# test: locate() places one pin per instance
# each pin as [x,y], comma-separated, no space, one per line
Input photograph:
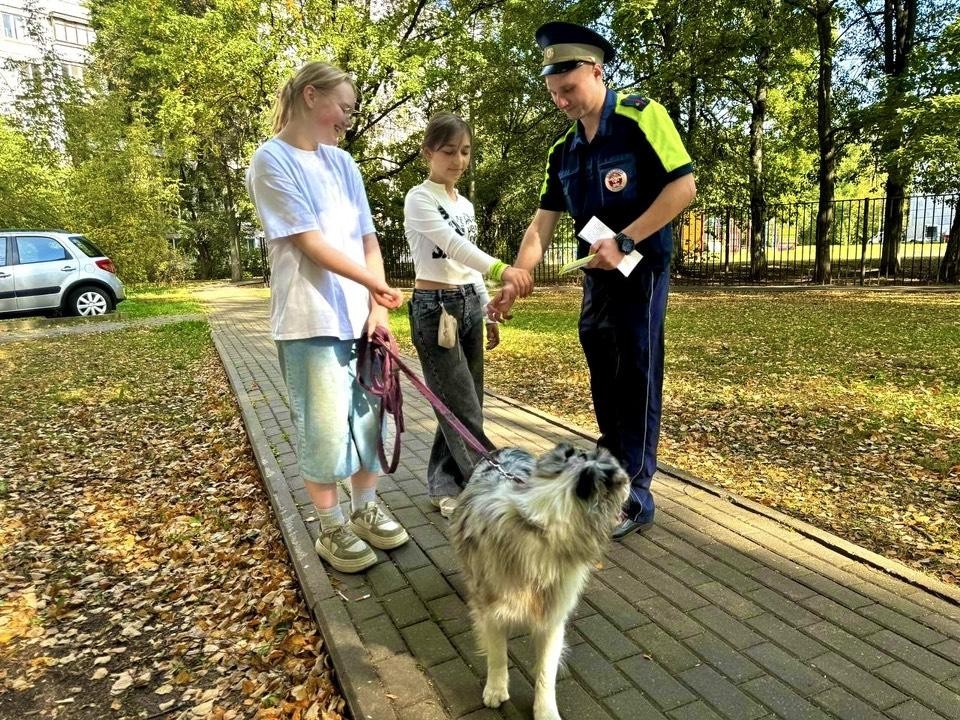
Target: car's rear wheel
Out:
[89,300]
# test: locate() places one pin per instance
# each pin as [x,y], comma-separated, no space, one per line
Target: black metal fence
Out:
[713,245]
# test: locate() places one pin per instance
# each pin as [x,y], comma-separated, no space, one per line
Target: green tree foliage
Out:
[932,147]
[201,75]
[31,193]
[772,109]
[907,62]
[118,192]
[79,160]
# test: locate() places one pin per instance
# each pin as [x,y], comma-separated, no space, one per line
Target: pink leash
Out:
[378,369]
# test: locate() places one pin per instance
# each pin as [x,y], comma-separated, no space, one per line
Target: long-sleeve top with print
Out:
[442,235]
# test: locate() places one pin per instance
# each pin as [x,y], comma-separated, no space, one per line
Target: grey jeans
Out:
[455,375]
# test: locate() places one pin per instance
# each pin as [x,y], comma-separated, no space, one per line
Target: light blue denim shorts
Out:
[336,420]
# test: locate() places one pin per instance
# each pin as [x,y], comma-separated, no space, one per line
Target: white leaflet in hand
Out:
[595,230]
[629,262]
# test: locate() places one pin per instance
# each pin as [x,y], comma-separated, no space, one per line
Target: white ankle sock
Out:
[330,517]
[360,498]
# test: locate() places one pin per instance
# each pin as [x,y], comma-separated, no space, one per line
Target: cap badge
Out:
[549,53]
[615,180]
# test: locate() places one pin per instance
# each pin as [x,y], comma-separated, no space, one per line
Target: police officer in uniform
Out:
[621,161]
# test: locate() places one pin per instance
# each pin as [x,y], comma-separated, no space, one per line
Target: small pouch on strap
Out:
[447,330]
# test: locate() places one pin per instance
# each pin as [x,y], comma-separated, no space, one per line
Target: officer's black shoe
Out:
[628,524]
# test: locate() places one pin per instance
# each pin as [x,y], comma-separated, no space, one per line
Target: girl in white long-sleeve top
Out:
[442,233]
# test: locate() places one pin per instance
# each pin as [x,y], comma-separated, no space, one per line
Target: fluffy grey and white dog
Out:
[527,549]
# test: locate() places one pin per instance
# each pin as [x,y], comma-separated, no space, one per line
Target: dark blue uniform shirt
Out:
[636,152]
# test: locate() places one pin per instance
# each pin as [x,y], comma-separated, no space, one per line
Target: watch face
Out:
[625,244]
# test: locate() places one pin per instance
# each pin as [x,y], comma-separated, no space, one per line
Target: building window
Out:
[72,32]
[72,71]
[14,27]
[31,72]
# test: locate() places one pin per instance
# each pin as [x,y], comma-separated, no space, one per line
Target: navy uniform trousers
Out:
[621,331]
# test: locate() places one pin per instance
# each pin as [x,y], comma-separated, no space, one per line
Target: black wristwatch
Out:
[625,243]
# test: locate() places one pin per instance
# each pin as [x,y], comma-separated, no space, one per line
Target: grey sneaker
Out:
[347,553]
[446,504]
[373,525]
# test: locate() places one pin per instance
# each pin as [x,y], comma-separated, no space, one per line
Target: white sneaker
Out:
[377,528]
[347,553]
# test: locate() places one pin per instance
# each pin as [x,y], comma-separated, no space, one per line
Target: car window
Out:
[3,251]
[85,246]
[40,249]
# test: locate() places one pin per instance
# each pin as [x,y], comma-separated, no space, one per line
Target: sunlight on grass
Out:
[152,300]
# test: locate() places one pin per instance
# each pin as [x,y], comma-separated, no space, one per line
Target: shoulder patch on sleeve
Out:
[635,101]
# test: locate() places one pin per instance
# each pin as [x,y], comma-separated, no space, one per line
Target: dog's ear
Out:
[590,475]
[553,462]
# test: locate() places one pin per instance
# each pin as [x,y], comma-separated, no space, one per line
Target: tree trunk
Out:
[692,112]
[205,261]
[190,192]
[236,271]
[949,271]
[892,225]
[758,200]
[671,99]
[899,23]
[826,175]
[233,225]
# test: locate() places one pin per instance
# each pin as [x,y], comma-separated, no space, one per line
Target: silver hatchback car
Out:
[46,271]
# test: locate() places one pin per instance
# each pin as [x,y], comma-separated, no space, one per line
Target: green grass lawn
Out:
[841,408]
[151,300]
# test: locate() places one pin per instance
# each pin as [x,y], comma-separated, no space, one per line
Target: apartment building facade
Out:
[66,26]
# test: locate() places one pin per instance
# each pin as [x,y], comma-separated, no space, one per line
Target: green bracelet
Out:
[496,270]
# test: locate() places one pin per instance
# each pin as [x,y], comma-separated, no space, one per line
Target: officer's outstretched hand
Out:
[520,279]
[606,255]
[498,309]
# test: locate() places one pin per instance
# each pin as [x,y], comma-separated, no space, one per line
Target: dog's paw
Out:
[545,711]
[495,693]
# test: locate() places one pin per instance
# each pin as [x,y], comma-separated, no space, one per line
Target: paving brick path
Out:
[718,612]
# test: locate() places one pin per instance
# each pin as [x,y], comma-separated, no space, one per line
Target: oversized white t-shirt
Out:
[442,234]
[295,191]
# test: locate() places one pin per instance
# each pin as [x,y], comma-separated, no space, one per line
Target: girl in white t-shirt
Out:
[441,230]
[327,287]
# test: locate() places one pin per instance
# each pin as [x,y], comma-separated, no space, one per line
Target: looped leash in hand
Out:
[378,370]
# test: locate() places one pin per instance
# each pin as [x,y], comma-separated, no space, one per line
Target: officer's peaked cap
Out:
[566,45]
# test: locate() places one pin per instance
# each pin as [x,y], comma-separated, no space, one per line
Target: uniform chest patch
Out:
[615,180]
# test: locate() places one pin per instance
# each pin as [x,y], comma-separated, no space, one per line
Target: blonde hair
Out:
[323,76]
